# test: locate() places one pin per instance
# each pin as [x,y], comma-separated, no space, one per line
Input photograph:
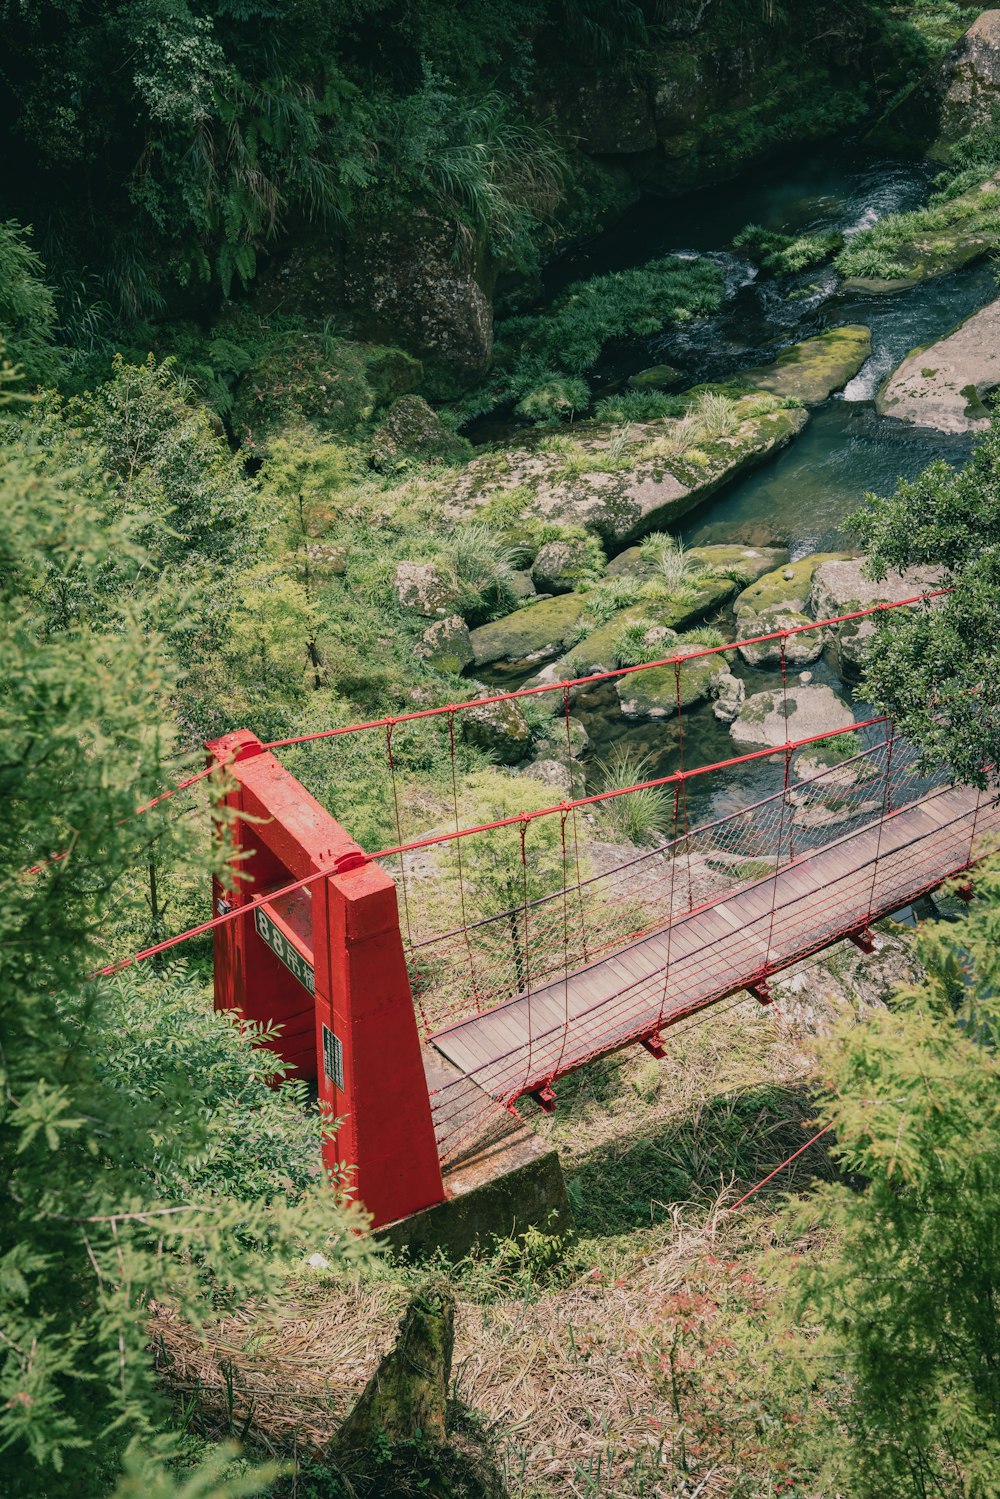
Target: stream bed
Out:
[800,498]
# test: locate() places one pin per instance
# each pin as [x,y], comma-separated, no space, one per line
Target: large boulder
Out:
[405,284]
[943,384]
[750,561]
[810,710]
[797,650]
[446,645]
[426,588]
[619,492]
[654,693]
[842,587]
[499,728]
[786,587]
[533,633]
[812,370]
[968,84]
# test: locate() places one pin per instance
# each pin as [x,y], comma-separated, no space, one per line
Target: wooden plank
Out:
[822,891]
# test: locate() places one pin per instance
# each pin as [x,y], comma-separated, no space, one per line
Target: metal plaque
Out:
[283,949]
[333,1058]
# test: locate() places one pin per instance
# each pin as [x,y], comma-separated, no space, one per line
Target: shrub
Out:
[27,307]
[639,816]
[560,395]
[305,377]
[639,406]
[785,254]
[621,304]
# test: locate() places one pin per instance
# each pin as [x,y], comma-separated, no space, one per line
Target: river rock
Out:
[533,633]
[499,728]
[653,693]
[597,651]
[810,710]
[785,587]
[562,564]
[942,385]
[812,370]
[619,492]
[749,560]
[409,281]
[842,587]
[522,585]
[656,377]
[446,644]
[968,83]
[799,650]
[413,429]
[426,588]
[729,692]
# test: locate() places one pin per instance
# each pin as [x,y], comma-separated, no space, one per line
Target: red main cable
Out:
[522,818]
[603,676]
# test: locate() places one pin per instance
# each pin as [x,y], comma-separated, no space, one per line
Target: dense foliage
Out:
[119,1167]
[934,669]
[904,1292]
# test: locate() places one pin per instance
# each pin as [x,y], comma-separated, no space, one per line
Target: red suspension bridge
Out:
[427,986]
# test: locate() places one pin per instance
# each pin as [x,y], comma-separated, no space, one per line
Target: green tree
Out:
[935,669]
[104,1203]
[27,307]
[902,1273]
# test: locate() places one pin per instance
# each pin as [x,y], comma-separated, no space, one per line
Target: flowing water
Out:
[800,498]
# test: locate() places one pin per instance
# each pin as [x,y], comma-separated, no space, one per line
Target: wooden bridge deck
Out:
[712,952]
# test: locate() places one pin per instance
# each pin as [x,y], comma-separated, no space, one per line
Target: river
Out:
[800,498]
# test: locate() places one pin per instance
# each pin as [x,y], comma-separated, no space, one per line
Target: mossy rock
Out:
[753,562]
[446,646]
[596,651]
[774,718]
[785,587]
[654,693]
[799,650]
[812,370]
[619,493]
[535,632]
[413,430]
[657,377]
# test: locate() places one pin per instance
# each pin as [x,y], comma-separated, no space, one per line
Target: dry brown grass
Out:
[570,1366]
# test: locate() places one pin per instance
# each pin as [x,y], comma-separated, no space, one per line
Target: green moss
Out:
[788,585]
[813,369]
[539,629]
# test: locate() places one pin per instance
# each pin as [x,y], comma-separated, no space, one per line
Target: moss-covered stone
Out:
[783,587]
[763,718]
[794,650]
[499,728]
[413,429]
[535,632]
[654,693]
[657,377]
[597,650]
[446,646]
[813,369]
[750,561]
[621,491]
